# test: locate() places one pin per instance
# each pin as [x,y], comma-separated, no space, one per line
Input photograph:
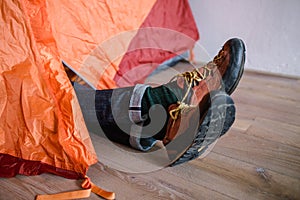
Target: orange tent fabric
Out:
[108,43]
[41,126]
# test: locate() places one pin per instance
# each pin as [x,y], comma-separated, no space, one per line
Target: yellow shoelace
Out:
[191,78]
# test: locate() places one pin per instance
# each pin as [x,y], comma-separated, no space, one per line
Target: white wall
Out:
[269,28]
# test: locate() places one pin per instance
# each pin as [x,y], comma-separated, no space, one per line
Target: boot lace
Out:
[191,78]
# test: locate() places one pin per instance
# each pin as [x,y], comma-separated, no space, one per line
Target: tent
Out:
[108,43]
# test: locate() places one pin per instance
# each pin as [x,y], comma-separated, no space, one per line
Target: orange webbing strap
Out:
[87,184]
[78,194]
[66,195]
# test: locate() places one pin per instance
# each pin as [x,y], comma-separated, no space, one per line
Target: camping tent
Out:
[108,43]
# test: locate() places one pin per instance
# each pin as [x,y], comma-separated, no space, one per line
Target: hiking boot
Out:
[194,87]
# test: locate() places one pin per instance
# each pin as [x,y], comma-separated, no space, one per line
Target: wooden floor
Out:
[259,158]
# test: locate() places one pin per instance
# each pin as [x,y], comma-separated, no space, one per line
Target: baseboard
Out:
[253,71]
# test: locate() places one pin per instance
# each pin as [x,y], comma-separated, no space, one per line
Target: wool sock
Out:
[164,95]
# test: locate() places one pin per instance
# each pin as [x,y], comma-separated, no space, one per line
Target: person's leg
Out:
[131,116]
[123,114]
[188,90]
[186,146]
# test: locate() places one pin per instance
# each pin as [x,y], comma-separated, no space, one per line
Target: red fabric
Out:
[168,30]
[10,166]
